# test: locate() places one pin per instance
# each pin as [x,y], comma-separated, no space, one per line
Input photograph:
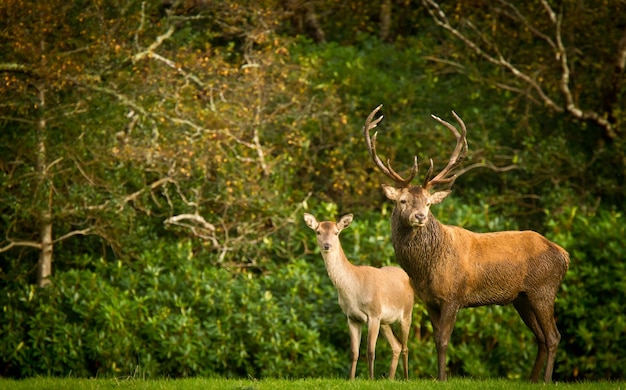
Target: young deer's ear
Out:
[438,197]
[344,221]
[310,221]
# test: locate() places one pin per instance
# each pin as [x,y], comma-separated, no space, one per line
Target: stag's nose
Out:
[326,246]
[418,219]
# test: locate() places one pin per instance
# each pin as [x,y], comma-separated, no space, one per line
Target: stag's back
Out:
[451,263]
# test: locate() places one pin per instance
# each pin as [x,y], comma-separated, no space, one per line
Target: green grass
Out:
[284,384]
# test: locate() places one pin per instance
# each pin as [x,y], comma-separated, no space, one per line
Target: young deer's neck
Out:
[340,270]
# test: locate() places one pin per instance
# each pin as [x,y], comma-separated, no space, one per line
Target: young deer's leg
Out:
[355,343]
[405,328]
[373,327]
[396,348]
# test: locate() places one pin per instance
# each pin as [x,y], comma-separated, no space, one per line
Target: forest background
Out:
[156,159]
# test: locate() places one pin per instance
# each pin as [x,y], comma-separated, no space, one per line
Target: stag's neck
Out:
[340,271]
[418,249]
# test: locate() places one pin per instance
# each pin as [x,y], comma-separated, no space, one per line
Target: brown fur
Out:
[451,268]
[377,297]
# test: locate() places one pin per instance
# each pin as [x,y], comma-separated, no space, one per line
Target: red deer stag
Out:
[377,297]
[452,268]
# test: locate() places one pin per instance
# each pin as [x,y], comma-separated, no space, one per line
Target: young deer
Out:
[377,297]
[452,268]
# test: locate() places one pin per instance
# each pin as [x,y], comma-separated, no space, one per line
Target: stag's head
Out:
[413,201]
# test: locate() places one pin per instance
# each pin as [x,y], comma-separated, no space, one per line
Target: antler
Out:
[457,157]
[371,148]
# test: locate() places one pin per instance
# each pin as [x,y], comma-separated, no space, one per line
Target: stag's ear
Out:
[344,221]
[438,197]
[390,192]
[310,221]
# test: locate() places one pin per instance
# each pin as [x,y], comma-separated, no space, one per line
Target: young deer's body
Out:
[377,297]
[452,268]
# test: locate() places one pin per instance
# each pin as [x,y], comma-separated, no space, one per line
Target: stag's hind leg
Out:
[525,311]
[538,315]
[543,308]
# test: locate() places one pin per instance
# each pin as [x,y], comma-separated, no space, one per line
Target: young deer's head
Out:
[328,231]
[413,201]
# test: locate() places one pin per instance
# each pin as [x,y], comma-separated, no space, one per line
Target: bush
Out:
[169,315]
[591,309]
[173,314]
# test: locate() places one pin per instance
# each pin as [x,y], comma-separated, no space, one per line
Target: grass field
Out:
[287,384]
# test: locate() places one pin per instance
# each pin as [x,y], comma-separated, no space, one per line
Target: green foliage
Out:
[177,318]
[591,309]
[237,118]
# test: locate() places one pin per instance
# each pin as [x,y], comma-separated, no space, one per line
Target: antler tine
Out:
[371,148]
[429,174]
[457,157]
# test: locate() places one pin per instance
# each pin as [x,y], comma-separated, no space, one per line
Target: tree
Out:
[154,117]
[548,57]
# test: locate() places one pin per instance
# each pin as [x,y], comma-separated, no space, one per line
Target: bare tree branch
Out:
[157,42]
[197,224]
[82,232]
[11,244]
[441,19]
[13,67]
[560,53]
[486,164]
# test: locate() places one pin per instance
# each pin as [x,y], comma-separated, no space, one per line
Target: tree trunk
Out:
[385,20]
[44,266]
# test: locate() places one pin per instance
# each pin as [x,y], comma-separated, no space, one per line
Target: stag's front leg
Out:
[443,319]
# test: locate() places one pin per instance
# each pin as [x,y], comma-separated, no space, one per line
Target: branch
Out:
[132,196]
[151,187]
[157,42]
[497,59]
[128,102]
[13,67]
[31,244]
[122,98]
[570,105]
[488,165]
[199,226]
[150,53]
[82,232]
[172,64]
[441,20]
